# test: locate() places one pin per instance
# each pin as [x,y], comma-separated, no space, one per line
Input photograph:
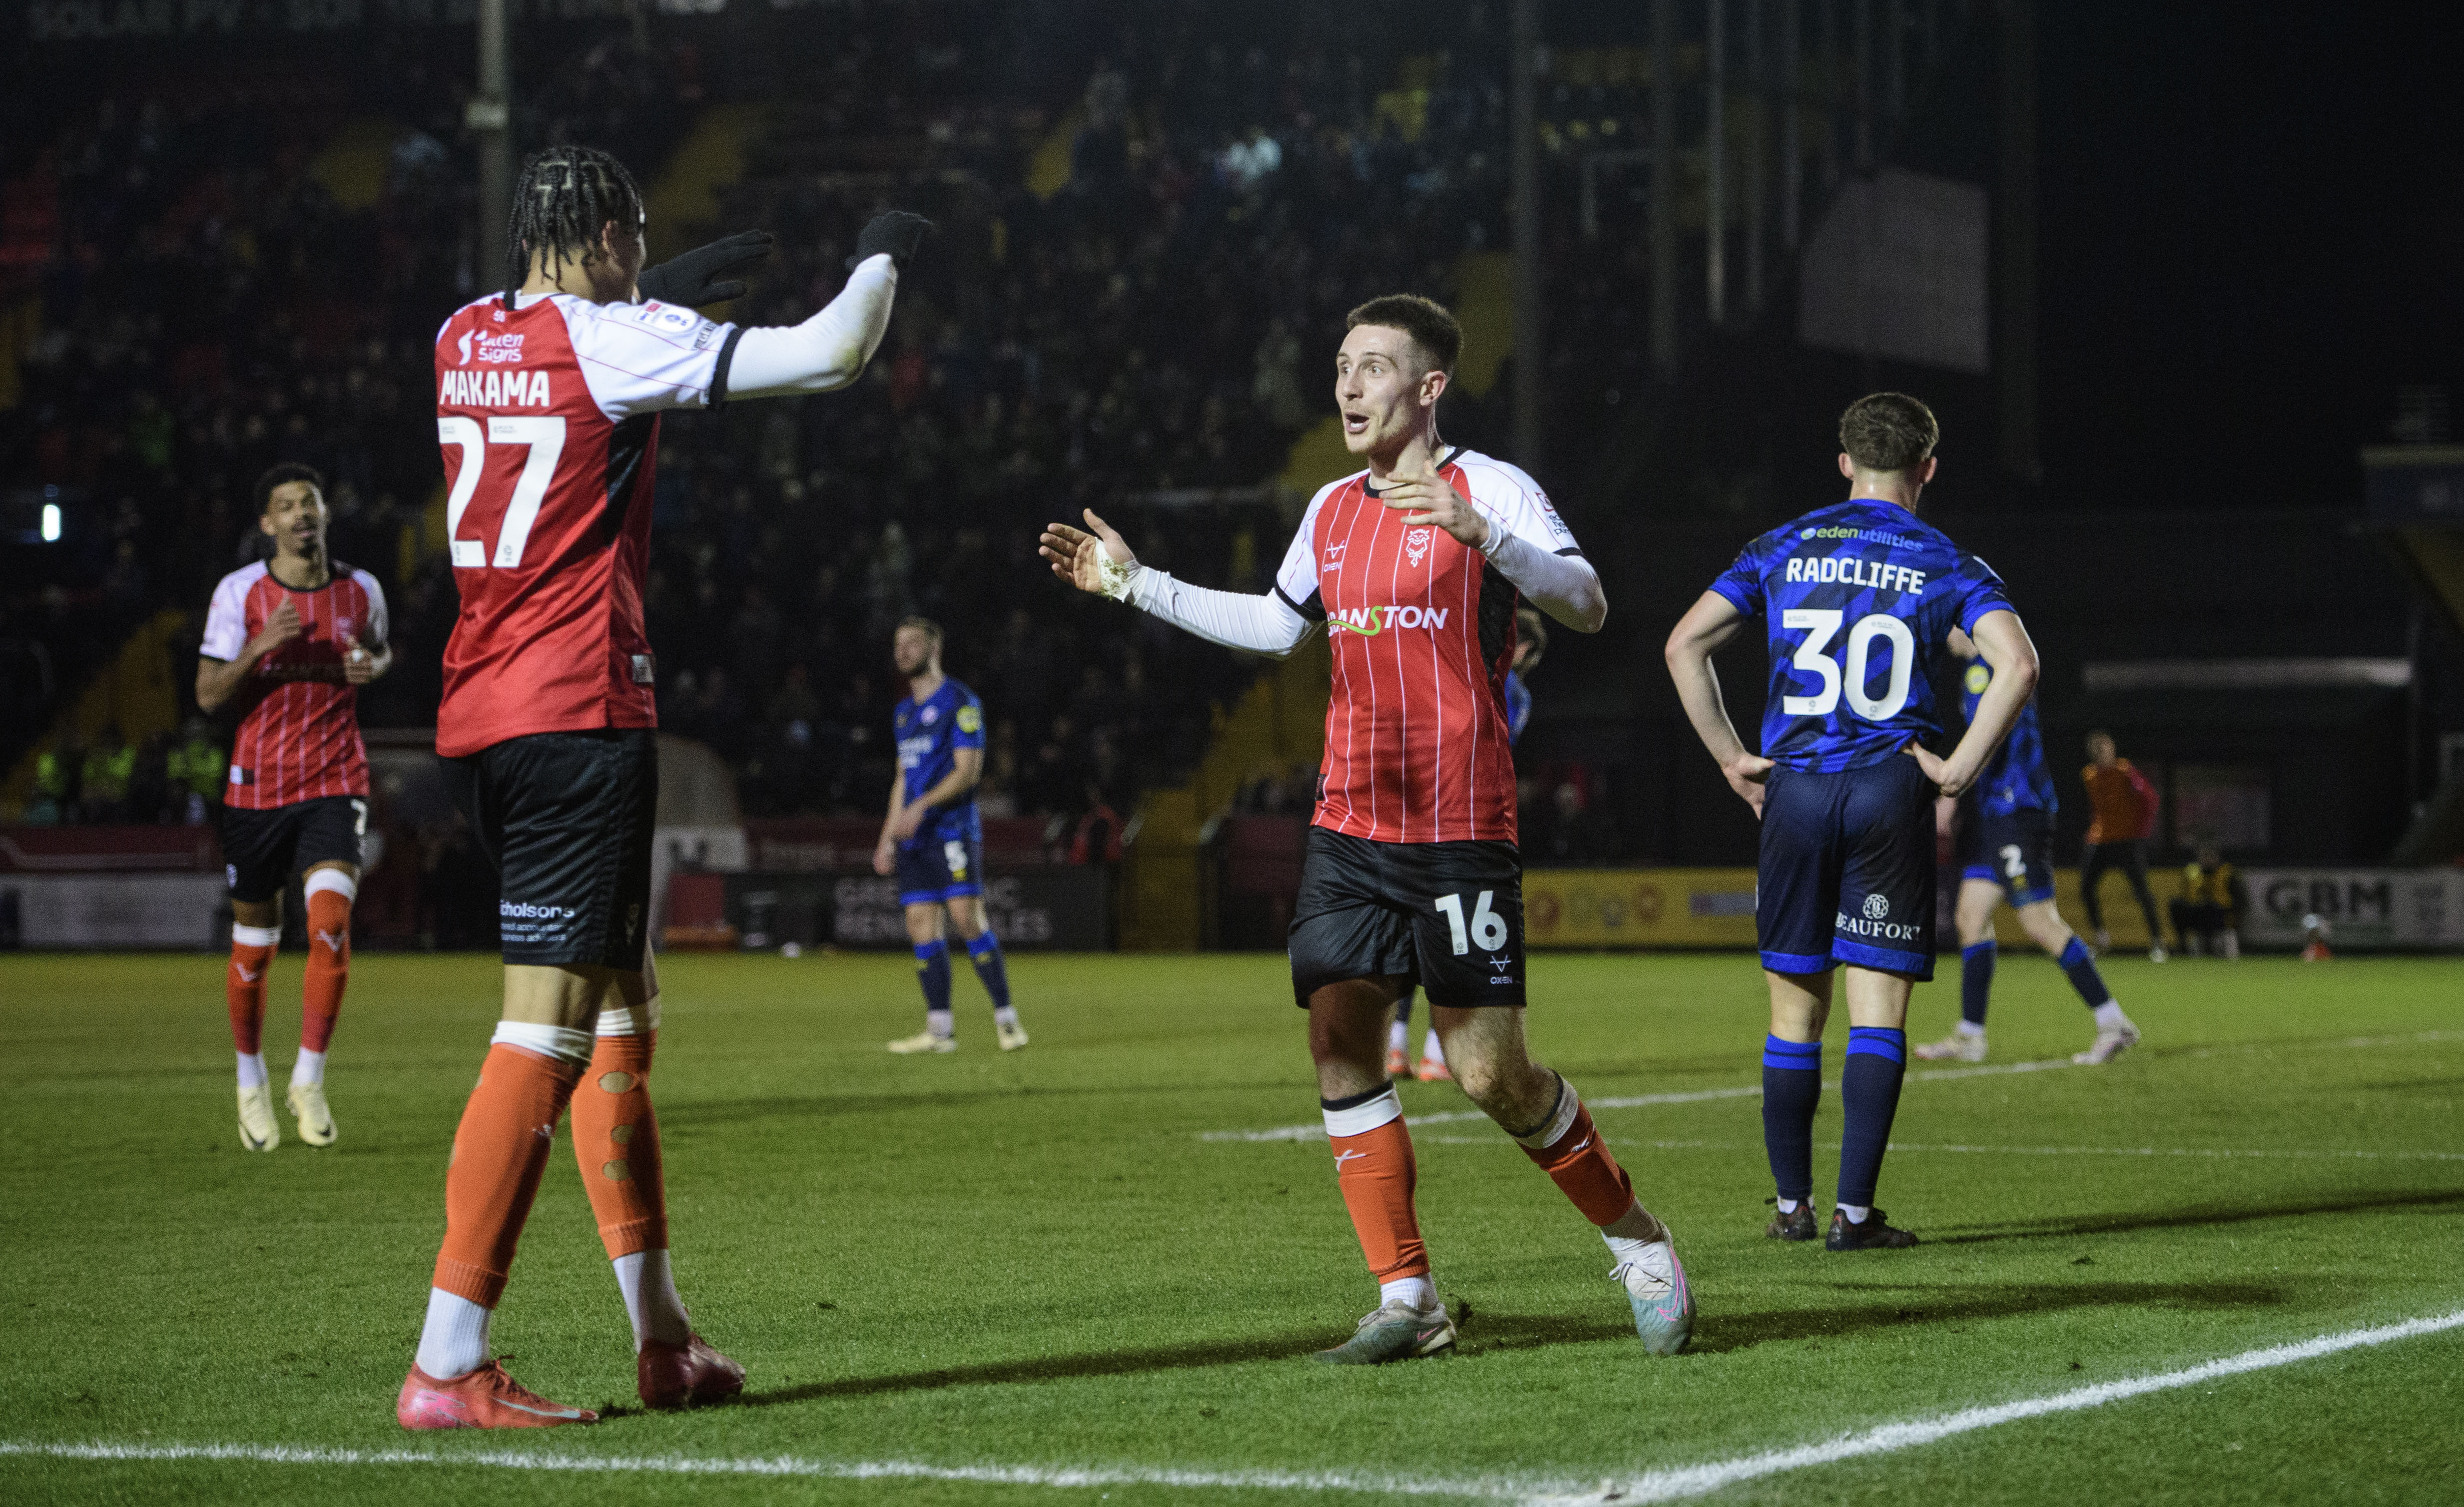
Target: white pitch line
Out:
[2227,1153]
[1671,1484]
[793,1466]
[1317,1132]
[1698,1480]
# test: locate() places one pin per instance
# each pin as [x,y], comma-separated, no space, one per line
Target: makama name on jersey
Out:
[491,389]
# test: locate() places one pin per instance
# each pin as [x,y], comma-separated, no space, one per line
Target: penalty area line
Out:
[1667,1484]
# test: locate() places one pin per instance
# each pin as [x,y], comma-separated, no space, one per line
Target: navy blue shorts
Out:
[2014,850]
[933,872]
[1847,870]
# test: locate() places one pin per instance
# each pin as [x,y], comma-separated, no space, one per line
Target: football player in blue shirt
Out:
[1860,602]
[935,841]
[1530,642]
[2005,845]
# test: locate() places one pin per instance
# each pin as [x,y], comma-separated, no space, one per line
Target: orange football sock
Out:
[1377,1173]
[616,1139]
[498,1153]
[329,967]
[1579,1161]
[251,954]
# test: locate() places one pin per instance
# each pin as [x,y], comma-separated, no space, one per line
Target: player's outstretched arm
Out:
[828,351]
[1706,628]
[2003,642]
[1097,560]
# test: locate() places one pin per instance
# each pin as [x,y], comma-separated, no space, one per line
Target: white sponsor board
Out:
[116,910]
[2363,908]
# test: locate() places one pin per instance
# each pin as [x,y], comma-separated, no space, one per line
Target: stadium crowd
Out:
[1156,318]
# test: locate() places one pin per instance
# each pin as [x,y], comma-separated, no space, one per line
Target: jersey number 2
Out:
[1822,623]
[544,437]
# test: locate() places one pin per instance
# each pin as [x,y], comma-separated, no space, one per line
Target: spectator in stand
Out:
[195,767]
[2122,812]
[102,793]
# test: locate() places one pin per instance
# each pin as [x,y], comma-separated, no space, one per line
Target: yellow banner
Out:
[1715,908]
[1639,908]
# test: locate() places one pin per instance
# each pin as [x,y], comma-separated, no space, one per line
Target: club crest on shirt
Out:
[1415,545]
[1335,557]
[931,715]
[342,629]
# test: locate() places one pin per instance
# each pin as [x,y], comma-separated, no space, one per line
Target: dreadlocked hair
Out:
[562,199]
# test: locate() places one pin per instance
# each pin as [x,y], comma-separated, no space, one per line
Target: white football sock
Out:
[2109,1016]
[1789,1205]
[1433,1050]
[309,1069]
[1418,1290]
[1969,1028]
[1857,1213]
[1399,1035]
[1636,1230]
[1005,1016]
[650,1301]
[251,1070]
[942,1022]
[454,1341]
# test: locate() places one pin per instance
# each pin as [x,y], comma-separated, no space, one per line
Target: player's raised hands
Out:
[1425,497]
[1746,775]
[708,274]
[281,626]
[1099,562]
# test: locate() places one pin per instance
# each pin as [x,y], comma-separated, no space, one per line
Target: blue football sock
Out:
[985,953]
[2080,965]
[1975,982]
[1869,1093]
[1792,1088]
[932,974]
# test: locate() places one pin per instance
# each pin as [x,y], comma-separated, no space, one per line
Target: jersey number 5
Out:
[544,437]
[1821,623]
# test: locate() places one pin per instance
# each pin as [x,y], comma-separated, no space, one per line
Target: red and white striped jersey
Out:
[548,415]
[299,728]
[1423,630]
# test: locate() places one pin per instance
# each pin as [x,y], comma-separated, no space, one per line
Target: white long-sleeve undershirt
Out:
[825,352]
[1265,625]
[1565,587]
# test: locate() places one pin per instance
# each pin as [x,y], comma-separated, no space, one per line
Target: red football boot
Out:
[686,1375]
[487,1398]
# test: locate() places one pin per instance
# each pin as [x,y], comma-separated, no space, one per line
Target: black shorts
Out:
[1447,915]
[940,869]
[1847,870]
[2014,850]
[263,849]
[566,820]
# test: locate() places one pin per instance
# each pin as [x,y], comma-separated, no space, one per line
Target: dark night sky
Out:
[2252,234]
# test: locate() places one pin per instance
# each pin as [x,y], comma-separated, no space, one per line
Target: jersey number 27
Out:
[1821,625]
[542,437]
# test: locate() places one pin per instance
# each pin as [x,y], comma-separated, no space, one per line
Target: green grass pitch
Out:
[1039,1260]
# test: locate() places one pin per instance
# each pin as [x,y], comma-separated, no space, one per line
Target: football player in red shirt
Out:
[1412,876]
[548,403]
[292,640]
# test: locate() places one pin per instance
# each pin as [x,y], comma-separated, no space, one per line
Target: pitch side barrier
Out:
[2364,909]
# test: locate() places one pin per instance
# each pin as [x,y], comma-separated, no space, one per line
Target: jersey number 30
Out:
[1821,623]
[543,437]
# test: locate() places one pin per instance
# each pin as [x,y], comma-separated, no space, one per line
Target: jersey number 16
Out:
[1821,623]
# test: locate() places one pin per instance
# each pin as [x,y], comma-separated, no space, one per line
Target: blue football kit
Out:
[1858,601]
[945,858]
[2005,835]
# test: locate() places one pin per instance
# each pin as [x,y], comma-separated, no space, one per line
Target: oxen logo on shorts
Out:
[1416,546]
[1877,908]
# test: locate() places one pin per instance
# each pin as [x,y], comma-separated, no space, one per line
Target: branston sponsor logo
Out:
[1376,620]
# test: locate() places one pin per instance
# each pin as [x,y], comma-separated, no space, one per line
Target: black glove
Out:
[892,231]
[697,276]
